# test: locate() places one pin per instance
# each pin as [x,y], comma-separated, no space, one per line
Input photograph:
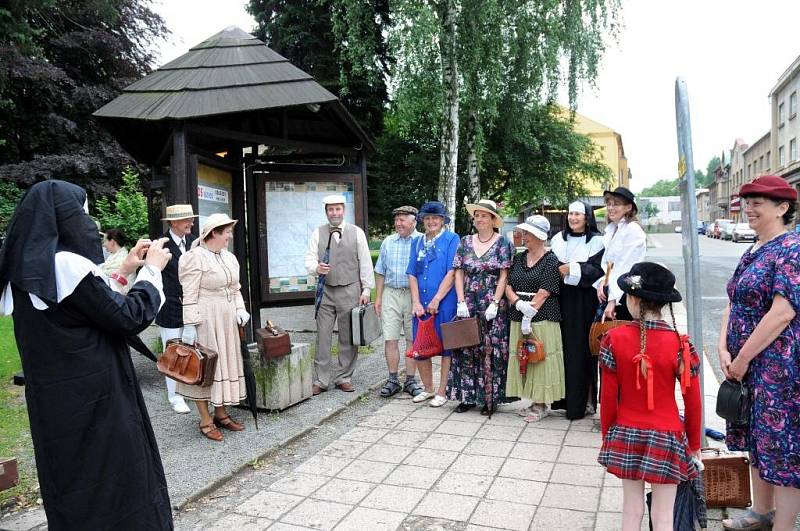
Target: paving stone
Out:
[268,504]
[454,427]
[499,433]
[413,476]
[380,421]
[589,476]
[370,471]
[397,409]
[502,514]
[324,465]
[440,441]
[363,434]
[478,464]
[562,520]
[553,422]
[613,522]
[447,506]
[393,498]
[517,490]
[526,469]
[280,526]
[345,448]
[571,497]
[489,447]
[299,484]
[465,484]
[238,522]
[415,522]
[430,458]
[541,436]
[578,455]
[386,453]
[419,424]
[536,452]
[610,480]
[24,520]
[584,425]
[363,518]
[578,438]
[611,499]
[317,514]
[404,438]
[474,416]
[506,419]
[344,491]
[427,412]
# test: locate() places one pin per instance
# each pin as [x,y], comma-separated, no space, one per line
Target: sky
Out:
[729,52]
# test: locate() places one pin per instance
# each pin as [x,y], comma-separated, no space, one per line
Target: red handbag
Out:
[427,343]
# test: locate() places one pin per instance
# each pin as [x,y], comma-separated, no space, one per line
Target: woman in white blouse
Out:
[625,244]
[117,253]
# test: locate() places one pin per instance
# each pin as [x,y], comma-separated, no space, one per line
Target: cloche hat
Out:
[215,221]
[433,208]
[537,225]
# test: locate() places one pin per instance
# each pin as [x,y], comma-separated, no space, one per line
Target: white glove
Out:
[242,316]
[491,311]
[526,325]
[462,310]
[189,334]
[526,308]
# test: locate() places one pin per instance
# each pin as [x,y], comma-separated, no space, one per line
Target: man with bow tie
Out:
[179,240]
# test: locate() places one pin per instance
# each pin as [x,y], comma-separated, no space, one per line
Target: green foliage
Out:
[650,210]
[10,195]
[128,212]
[661,188]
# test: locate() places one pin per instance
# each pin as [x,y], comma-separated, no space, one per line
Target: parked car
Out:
[743,232]
[720,225]
[678,229]
[701,227]
[726,230]
[712,226]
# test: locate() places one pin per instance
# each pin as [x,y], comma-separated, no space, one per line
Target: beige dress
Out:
[211,296]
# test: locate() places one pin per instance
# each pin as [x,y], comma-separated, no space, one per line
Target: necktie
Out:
[182,246]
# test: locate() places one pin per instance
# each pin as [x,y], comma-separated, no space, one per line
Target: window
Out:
[761,162]
[781,157]
[793,105]
[748,171]
[792,150]
[766,170]
[781,115]
[674,206]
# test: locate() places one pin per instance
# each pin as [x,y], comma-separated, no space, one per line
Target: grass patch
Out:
[15,435]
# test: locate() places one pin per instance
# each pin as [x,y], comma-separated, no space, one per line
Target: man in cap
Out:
[348,282]
[393,298]
[180,219]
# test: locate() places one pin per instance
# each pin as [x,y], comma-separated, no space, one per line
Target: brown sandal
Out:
[228,423]
[211,431]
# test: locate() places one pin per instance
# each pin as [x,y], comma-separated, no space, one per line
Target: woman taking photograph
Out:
[478,374]
[532,292]
[625,244]
[579,249]
[213,309]
[758,346]
[430,279]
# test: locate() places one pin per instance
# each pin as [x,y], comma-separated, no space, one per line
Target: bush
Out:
[128,212]
[9,198]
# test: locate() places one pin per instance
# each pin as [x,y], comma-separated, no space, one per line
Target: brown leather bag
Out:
[461,333]
[188,364]
[274,341]
[529,350]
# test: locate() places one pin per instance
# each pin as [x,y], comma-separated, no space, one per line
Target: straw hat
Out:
[178,212]
[214,221]
[335,199]
[486,205]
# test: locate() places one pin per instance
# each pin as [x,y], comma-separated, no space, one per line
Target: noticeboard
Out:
[214,193]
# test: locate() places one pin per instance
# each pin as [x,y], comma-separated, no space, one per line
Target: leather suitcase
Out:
[462,333]
[365,325]
[188,364]
[9,475]
[726,478]
[274,341]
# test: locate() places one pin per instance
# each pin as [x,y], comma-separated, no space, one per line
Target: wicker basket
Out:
[726,478]
[598,330]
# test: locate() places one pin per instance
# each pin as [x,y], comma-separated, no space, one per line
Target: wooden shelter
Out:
[231,126]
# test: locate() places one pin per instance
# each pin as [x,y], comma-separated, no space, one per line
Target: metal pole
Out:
[691,253]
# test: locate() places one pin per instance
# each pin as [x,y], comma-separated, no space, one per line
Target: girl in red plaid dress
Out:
[644,438]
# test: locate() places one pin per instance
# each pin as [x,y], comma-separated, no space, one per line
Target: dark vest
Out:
[344,256]
[171,314]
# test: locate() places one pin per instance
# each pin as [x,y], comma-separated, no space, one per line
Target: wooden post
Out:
[178,166]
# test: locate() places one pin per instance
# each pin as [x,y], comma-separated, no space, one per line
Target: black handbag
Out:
[733,402]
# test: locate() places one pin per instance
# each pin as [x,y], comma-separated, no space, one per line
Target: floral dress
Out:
[773,376]
[478,374]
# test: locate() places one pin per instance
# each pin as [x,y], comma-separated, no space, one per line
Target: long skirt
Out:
[544,381]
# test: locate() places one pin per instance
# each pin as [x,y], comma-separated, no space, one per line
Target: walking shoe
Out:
[422,397]
[438,401]
[178,404]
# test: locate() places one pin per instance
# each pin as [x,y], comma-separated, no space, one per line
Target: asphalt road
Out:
[718,260]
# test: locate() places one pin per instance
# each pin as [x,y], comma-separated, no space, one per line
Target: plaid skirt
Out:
[650,455]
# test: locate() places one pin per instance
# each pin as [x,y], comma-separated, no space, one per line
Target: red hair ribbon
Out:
[649,364]
[686,357]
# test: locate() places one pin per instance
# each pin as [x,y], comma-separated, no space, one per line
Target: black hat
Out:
[650,281]
[624,194]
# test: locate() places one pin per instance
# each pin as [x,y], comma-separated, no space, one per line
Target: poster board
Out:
[214,194]
[293,210]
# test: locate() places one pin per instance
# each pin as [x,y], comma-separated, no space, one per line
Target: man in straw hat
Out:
[348,282]
[180,219]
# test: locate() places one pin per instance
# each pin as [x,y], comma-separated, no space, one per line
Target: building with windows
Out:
[785,130]
[738,173]
[719,202]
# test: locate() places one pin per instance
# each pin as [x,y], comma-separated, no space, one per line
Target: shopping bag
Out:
[427,343]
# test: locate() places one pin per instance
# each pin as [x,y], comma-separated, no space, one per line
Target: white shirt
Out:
[626,244]
[574,251]
[178,239]
[311,259]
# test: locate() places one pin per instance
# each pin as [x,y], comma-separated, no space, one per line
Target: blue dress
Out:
[773,434]
[430,268]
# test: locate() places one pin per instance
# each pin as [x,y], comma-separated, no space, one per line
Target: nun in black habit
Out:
[96,455]
[579,249]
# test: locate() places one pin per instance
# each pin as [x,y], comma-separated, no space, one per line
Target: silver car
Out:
[742,232]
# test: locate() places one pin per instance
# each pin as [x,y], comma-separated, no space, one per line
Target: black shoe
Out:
[510,399]
[485,410]
[463,406]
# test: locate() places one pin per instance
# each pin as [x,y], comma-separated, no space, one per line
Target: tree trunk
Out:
[448,165]
[472,157]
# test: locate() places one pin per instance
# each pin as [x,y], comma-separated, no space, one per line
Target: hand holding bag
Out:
[426,343]
[733,402]
[274,341]
[188,364]
[461,333]
[529,350]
